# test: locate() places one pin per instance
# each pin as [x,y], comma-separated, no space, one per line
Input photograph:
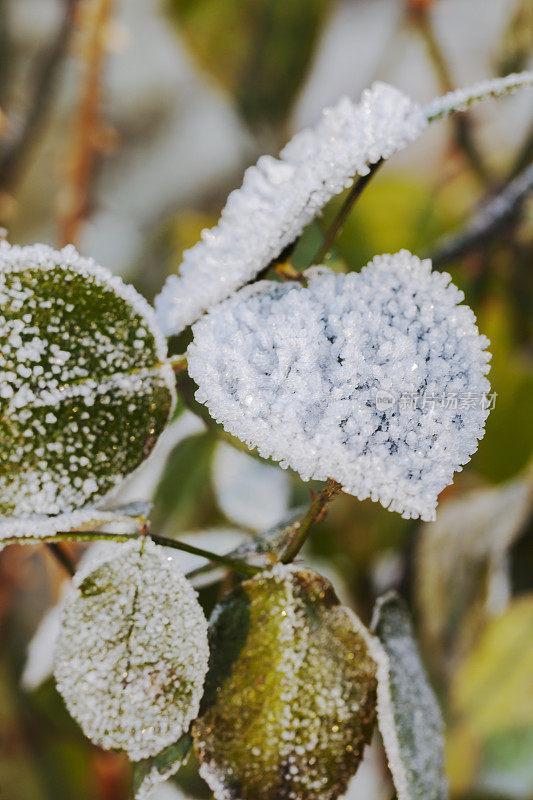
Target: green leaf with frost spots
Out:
[409,717]
[132,652]
[150,772]
[84,387]
[289,701]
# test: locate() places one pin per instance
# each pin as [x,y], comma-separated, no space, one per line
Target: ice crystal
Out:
[279,197]
[376,379]
[84,387]
[250,493]
[461,99]
[409,717]
[289,701]
[132,654]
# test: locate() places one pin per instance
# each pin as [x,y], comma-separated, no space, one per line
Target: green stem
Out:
[344,212]
[313,514]
[96,536]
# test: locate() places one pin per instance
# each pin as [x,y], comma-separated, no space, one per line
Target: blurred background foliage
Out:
[123,126]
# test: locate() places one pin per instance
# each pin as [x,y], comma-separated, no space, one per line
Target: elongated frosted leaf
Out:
[84,390]
[150,772]
[290,694]
[132,654]
[461,99]
[409,717]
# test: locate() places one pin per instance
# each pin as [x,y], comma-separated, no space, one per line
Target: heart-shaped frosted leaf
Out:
[409,717]
[290,694]
[375,379]
[132,654]
[84,390]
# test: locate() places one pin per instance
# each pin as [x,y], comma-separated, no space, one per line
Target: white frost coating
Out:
[250,493]
[63,377]
[39,256]
[279,197]
[303,373]
[132,655]
[409,717]
[37,526]
[460,99]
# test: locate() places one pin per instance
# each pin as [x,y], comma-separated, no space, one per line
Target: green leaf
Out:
[458,555]
[409,717]
[290,695]
[492,688]
[132,653]
[257,60]
[85,391]
[184,498]
[150,772]
[492,705]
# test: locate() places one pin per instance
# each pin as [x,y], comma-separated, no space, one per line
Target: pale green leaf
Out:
[290,695]
[132,653]
[409,717]
[459,558]
[85,390]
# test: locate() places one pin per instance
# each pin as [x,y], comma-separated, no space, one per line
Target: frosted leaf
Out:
[409,717]
[375,379]
[290,693]
[250,493]
[461,99]
[150,773]
[132,655]
[279,197]
[34,527]
[84,387]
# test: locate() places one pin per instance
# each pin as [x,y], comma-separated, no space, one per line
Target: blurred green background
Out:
[155,110]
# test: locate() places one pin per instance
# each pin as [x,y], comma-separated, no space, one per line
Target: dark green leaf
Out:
[150,772]
[85,394]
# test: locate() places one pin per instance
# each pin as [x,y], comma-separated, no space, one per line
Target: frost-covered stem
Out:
[314,513]
[462,125]
[489,220]
[25,133]
[344,212]
[61,557]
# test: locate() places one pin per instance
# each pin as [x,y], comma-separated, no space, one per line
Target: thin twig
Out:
[488,222]
[61,557]
[24,134]
[344,212]
[419,14]
[96,536]
[88,132]
[314,513]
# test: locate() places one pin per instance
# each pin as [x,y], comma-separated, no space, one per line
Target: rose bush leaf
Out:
[290,696]
[132,653]
[85,389]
